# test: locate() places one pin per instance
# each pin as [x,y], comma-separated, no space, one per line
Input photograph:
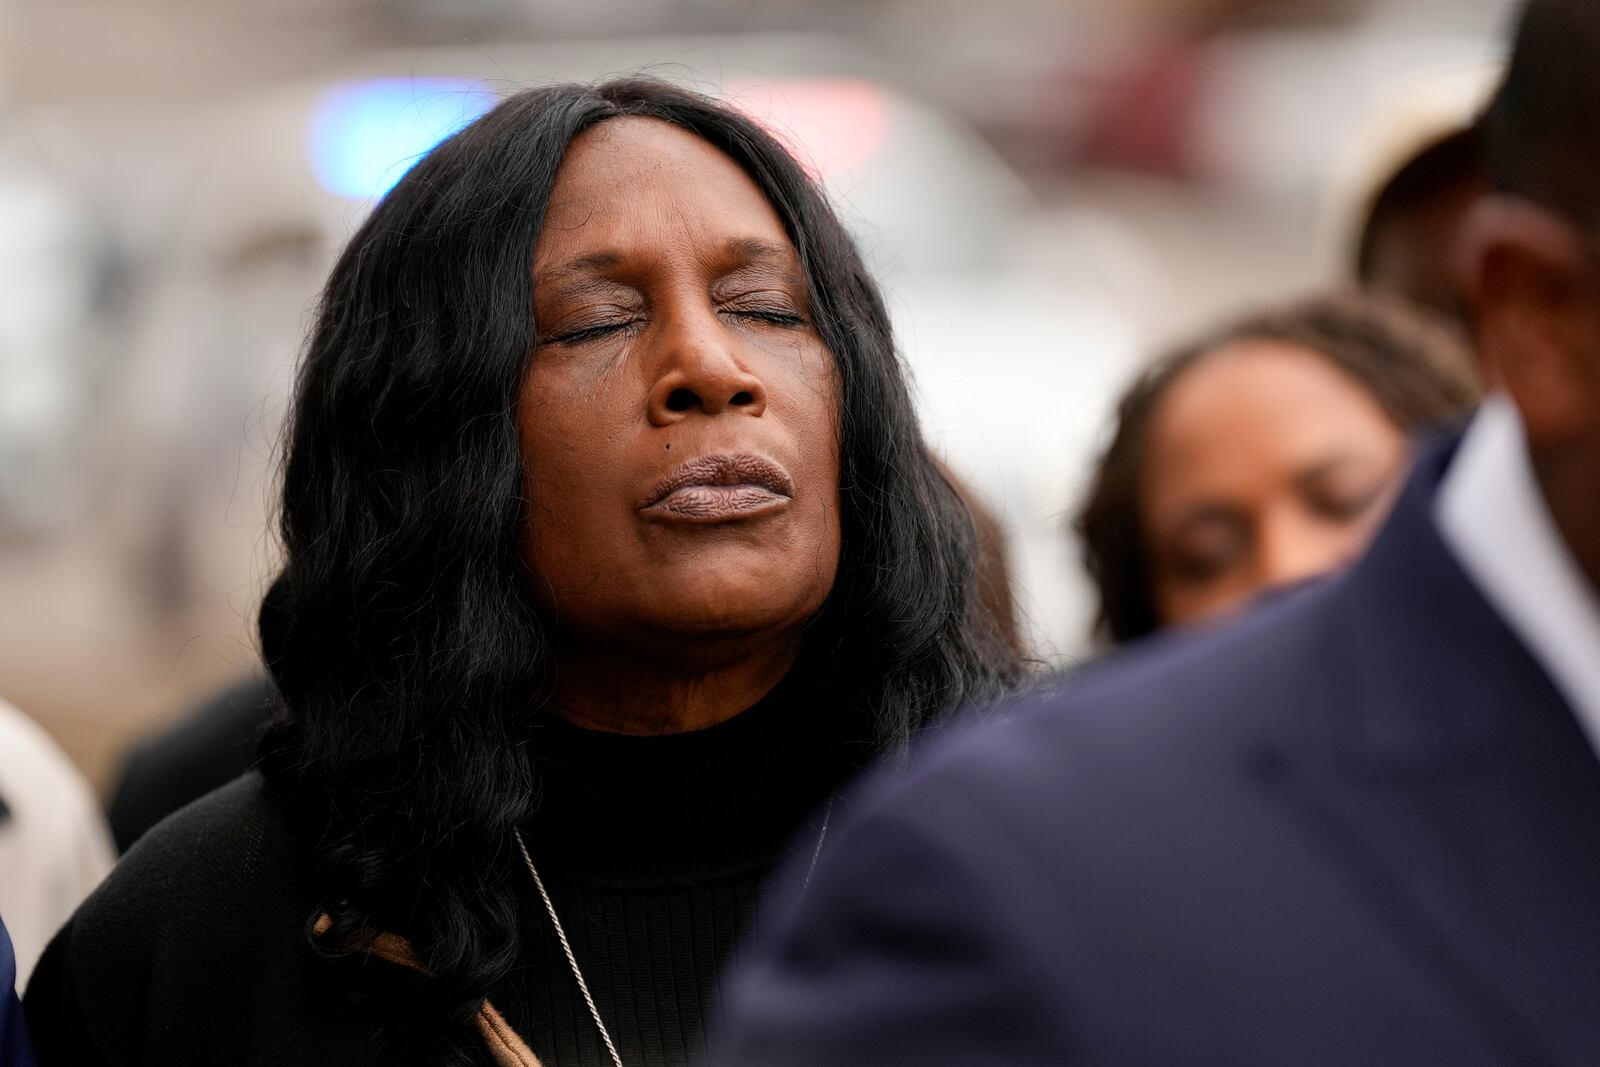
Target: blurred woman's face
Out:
[679,423]
[1265,464]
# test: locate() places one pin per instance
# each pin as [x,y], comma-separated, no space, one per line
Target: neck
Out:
[620,689]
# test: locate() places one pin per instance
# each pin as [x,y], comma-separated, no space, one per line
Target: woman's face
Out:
[679,423]
[1265,464]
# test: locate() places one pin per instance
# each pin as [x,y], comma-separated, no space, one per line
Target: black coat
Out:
[1358,827]
[193,951]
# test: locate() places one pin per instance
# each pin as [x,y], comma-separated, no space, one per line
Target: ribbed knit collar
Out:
[628,808]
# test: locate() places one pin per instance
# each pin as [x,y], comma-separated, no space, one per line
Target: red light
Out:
[830,127]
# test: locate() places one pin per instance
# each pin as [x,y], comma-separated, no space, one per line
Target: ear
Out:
[1533,283]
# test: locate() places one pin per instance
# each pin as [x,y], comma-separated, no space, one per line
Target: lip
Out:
[720,488]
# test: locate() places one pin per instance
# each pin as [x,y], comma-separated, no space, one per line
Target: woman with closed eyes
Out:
[611,550]
[1262,455]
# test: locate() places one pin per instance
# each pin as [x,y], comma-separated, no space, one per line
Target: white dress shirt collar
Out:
[1493,517]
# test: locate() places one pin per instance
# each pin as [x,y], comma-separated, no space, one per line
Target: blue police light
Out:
[365,135]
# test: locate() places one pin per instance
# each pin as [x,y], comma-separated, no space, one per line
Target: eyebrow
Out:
[756,250]
[753,253]
[592,263]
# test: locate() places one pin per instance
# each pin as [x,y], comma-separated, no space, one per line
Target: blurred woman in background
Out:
[1261,455]
[612,548]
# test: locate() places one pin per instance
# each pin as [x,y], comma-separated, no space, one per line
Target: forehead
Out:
[1260,409]
[632,183]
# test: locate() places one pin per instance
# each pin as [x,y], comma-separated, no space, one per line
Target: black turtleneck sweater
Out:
[653,850]
[193,952]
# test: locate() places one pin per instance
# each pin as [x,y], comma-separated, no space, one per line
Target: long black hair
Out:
[399,631]
[1417,367]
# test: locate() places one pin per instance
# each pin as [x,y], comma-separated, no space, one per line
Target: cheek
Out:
[824,541]
[819,432]
[571,467]
[806,400]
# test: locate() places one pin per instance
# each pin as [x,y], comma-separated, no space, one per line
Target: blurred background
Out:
[1050,190]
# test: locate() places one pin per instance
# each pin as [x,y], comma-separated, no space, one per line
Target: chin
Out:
[737,608]
[732,619]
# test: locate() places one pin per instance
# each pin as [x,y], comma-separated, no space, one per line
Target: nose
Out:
[700,370]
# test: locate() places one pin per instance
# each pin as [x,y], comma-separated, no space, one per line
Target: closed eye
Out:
[773,316]
[1206,545]
[1343,489]
[1345,505]
[588,333]
[767,305]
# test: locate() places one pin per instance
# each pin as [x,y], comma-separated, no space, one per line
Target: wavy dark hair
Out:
[400,633]
[1415,365]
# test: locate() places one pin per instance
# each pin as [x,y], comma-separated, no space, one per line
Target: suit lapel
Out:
[1454,790]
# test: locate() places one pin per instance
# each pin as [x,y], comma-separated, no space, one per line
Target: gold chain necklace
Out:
[566,946]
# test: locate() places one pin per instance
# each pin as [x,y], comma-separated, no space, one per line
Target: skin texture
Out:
[1534,280]
[1266,465]
[674,324]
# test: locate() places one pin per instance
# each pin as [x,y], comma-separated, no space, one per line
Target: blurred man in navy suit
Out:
[1360,826]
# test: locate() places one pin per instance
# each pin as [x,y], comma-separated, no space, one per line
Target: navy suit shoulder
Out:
[1063,823]
[1349,828]
[1157,724]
